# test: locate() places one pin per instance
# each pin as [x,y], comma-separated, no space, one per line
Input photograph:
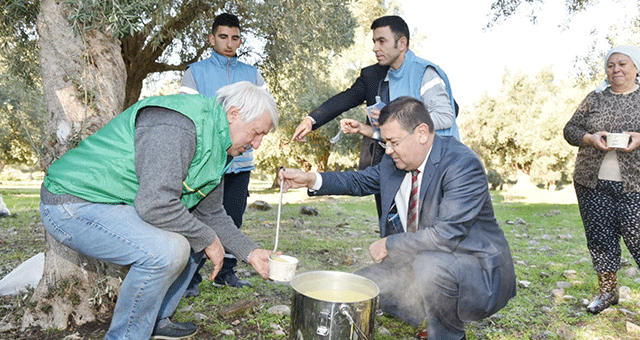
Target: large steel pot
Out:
[332,305]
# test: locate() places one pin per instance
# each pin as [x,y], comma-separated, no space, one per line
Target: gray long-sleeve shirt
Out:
[434,95]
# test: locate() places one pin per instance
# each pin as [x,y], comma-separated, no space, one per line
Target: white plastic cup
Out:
[282,268]
[618,140]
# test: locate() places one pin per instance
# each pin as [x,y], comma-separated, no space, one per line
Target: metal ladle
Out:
[275,247]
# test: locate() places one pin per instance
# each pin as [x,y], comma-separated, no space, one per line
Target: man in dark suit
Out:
[442,258]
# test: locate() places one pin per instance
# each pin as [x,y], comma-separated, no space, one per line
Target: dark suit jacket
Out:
[364,89]
[456,216]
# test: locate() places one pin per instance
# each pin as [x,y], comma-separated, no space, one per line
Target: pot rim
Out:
[334,280]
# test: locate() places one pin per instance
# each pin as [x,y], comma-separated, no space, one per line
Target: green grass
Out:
[546,240]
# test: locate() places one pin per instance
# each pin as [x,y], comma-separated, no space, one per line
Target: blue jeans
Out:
[162,262]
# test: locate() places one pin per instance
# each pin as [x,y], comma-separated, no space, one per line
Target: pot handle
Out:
[325,323]
[345,310]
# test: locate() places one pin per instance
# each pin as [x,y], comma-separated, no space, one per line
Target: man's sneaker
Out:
[193,288]
[174,330]
[230,279]
[192,291]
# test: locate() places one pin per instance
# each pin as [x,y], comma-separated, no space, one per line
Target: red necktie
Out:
[412,211]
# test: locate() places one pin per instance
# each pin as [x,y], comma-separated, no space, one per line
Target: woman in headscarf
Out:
[607,180]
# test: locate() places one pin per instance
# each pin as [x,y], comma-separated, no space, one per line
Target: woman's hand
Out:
[596,140]
[635,141]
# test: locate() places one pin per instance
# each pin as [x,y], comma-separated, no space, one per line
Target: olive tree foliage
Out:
[21,101]
[502,10]
[589,60]
[520,129]
[21,120]
[590,65]
[19,40]
[167,35]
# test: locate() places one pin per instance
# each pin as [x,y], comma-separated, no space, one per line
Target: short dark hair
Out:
[409,112]
[225,19]
[397,25]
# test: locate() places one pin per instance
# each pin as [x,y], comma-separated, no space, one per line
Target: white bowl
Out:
[618,140]
[282,268]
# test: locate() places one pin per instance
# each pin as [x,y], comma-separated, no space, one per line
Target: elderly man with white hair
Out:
[145,191]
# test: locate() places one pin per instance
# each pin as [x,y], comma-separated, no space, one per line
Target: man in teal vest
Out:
[144,191]
[399,72]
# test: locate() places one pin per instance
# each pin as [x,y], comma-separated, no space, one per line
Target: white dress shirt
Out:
[402,196]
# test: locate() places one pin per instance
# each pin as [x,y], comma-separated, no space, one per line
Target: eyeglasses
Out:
[394,145]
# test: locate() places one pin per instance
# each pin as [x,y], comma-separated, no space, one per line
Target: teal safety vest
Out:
[102,168]
[407,80]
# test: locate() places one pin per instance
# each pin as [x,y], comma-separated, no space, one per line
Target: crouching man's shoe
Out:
[230,279]
[166,329]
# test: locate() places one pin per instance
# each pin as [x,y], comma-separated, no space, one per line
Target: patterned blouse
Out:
[609,112]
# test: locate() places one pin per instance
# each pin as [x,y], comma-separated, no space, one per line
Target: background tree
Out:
[504,9]
[167,35]
[21,102]
[520,130]
[21,121]
[544,157]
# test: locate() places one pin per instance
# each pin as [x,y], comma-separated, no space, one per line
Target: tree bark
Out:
[83,77]
[73,288]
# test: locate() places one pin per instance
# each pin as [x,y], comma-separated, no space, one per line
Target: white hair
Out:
[250,99]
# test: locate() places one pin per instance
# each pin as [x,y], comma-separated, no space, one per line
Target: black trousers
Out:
[608,214]
[236,191]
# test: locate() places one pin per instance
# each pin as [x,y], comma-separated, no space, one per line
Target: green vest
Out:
[102,168]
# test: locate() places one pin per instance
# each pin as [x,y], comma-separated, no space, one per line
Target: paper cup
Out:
[282,268]
[618,140]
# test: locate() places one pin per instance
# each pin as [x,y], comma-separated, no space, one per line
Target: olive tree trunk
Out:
[83,76]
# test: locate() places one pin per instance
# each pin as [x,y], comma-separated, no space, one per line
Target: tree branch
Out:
[164,36]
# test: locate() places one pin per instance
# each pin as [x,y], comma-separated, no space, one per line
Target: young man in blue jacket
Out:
[206,77]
